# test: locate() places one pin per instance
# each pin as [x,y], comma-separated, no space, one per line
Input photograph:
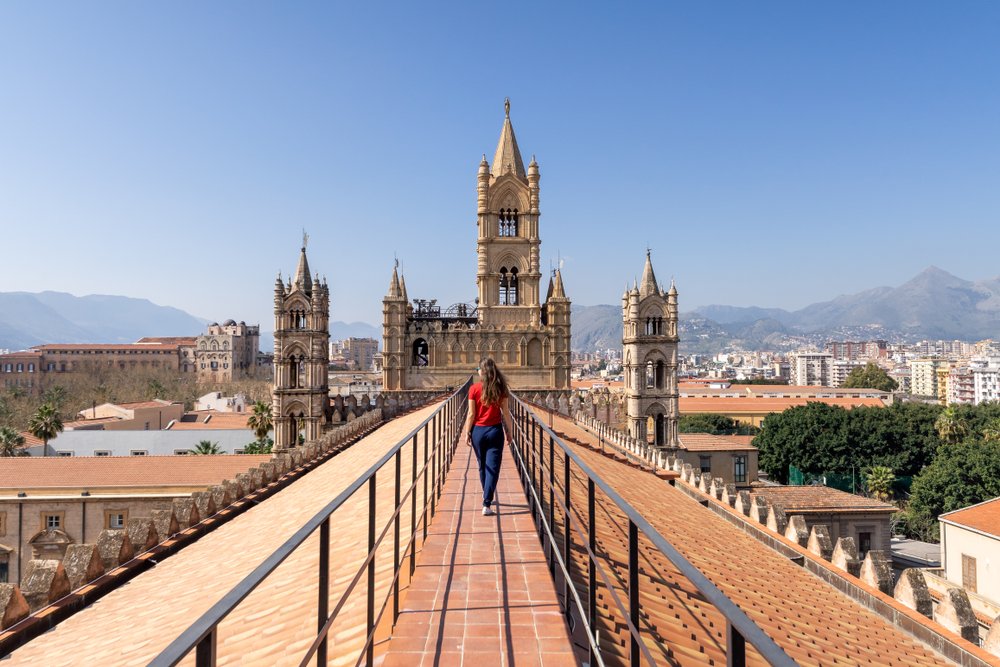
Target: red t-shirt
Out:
[486,415]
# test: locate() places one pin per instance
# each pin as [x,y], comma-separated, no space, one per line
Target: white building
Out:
[841,368]
[985,379]
[923,376]
[810,368]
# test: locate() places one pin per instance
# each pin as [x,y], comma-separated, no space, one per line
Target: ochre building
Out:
[425,347]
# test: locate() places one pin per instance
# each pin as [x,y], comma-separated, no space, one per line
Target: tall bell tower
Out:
[649,356]
[301,396]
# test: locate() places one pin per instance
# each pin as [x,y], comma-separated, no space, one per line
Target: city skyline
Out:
[166,155]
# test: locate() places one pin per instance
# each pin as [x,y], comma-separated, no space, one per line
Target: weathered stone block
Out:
[186,512]
[46,584]
[716,488]
[776,519]
[705,483]
[876,571]
[221,496]
[256,478]
[115,548]
[296,457]
[165,522]
[743,503]
[729,495]
[205,503]
[13,606]
[796,530]
[234,488]
[270,470]
[695,479]
[911,590]
[686,472]
[142,534]
[245,480]
[82,563]
[759,509]
[819,542]
[954,612]
[845,556]
[990,644]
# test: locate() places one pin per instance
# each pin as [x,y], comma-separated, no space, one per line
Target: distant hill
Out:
[934,304]
[28,319]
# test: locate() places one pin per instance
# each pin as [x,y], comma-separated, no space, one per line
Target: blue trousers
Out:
[487,443]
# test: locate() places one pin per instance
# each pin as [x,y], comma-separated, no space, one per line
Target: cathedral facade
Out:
[425,347]
[649,358]
[300,395]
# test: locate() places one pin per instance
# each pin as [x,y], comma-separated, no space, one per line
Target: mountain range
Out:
[933,304]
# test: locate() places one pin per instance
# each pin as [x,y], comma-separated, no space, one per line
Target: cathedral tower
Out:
[300,395]
[649,356]
[427,346]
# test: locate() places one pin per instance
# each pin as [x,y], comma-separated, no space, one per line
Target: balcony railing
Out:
[536,447]
[439,433]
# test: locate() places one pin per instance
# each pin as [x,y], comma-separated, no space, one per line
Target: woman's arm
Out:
[468,421]
[508,426]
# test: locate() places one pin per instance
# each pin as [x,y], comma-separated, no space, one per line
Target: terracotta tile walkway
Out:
[482,594]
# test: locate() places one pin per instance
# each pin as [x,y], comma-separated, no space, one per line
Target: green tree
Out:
[260,420]
[812,437]
[991,432]
[951,427]
[55,396]
[263,446]
[961,474]
[707,422]
[206,447]
[11,442]
[870,376]
[45,425]
[880,480]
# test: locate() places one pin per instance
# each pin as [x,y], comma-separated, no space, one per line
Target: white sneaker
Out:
[487,511]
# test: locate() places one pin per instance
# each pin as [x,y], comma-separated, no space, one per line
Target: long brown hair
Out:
[494,383]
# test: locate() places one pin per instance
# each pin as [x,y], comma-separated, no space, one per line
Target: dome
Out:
[229,323]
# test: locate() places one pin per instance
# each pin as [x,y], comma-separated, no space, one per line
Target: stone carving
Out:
[819,542]
[82,564]
[954,612]
[115,548]
[876,571]
[142,534]
[13,606]
[796,530]
[911,590]
[845,556]
[46,583]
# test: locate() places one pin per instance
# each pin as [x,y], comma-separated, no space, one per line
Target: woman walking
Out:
[489,418]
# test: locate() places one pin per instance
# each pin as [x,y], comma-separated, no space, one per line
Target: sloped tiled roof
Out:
[819,498]
[984,517]
[814,623]
[211,420]
[706,442]
[23,473]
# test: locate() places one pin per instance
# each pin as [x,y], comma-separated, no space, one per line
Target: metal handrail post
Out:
[592,565]
[370,625]
[206,651]
[633,590]
[395,539]
[413,507]
[323,606]
[424,474]
[567,535]
[736,647]
[435,430]
[552,499]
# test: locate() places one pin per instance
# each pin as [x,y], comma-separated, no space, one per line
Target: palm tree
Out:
[10,442]
[206,447]
[880,480]
[950,427]
[261,421]
[45,425]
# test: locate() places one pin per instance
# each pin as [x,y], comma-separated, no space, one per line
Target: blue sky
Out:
[771,153]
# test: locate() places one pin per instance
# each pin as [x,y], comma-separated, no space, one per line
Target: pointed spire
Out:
[394,289]
[557,286]
[673,288]
[302,279]
[648,284]
[402,287]
[508,156]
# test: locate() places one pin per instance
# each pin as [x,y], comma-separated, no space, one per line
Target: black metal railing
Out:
[439,432]
[535,448]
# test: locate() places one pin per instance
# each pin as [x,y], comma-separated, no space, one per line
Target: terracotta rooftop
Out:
[184,341]
[819,499]
[211,420]
[72,347]
[752,404]
[81,423]
[706,442]
[984,517]
[26,473]
[136,405]
[275,623]
[813,622]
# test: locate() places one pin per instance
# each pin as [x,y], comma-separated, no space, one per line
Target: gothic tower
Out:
[301,356]
[649,356]
[431,346]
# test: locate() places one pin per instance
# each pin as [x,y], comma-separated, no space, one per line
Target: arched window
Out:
[503,286]
[512,288]
[507,225]
[650,376]
[660,376]
[420,349]
[301,372]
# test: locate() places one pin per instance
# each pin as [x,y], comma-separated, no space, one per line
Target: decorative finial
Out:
[506,106]
[305,239]
[395,259]
[648,250]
